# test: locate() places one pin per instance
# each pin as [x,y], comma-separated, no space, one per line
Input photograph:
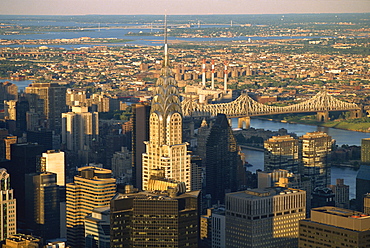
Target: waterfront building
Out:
[97,228]
[48,102]
[221,160]
[334,227]
[362,185]
[264,217]
[341,193]
[43,204]
[314,155]
[8,224]
[140,133]
[281,152]
[92,188]
[79,129]
[365,151]
[165,149]
[148,219]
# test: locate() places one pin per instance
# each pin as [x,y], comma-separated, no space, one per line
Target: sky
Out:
[179,7]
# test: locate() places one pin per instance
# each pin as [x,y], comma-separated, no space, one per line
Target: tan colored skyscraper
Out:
[79,129]
[7,207]
[53,161]
[92,188]
[165,149]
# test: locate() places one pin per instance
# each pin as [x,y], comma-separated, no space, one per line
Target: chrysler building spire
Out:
[165,150]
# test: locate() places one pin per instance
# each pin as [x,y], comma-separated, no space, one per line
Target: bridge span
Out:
[244,107]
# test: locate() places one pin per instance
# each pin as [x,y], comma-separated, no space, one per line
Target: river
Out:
[341,136]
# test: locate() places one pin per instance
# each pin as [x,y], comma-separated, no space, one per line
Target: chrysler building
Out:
[166,154]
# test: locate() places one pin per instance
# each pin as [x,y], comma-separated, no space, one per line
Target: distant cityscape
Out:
[119,131]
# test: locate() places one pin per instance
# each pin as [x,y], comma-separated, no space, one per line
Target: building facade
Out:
[365,151]
[97,228]
[145,219]
[43,204]
[341,192]
[92,188]
[8,223]
[262,218]
[281,152]
[334,227]
[165,149]
[314,156]
[48,102]
[221,160]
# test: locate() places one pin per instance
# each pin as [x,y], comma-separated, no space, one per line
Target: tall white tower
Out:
[166,154]
[7,207]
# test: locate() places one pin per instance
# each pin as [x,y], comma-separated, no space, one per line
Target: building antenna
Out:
[165,42]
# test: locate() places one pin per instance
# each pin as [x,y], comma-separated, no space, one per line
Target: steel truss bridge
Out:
[245,106]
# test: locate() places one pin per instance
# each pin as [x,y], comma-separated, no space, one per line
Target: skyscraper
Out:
[341,192]
[314,152]
[365,151]
[281,152]
[92,188]
[8,225]
[79,129]
[53,161]
[43,205]
[221,160]
[362,185]
[146,219]
[48,101]
[24,160]
[165,149]
[262,218]
[140,133]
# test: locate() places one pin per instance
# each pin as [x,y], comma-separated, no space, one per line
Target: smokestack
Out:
[225,76]
[213,75]
[204,73]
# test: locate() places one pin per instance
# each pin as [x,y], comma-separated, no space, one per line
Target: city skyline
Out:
[187,7]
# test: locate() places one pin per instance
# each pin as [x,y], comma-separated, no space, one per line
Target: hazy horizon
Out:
[186,7]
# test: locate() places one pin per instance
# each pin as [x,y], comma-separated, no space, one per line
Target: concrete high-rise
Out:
[43,205]
[334,227]
[365,151]
[262,218]
[165,149]
[54,161]
[79,129]
[341,192]
[92,188]
[8,225]
[314,156]
[221,160]
[281,152]
[367,204]
[48,101]
[145,219]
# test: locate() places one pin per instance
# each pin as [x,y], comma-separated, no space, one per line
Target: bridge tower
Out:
[244,120]
[322,116]
[355,113]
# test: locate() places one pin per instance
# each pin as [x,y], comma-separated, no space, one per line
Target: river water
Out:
[341,136]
